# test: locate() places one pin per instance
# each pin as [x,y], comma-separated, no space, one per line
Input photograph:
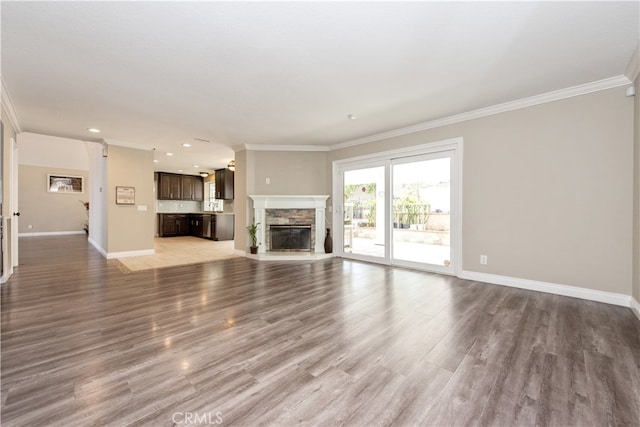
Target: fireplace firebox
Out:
[290,238]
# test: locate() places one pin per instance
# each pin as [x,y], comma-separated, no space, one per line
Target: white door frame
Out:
[339,166]
[10,221]
[14,207]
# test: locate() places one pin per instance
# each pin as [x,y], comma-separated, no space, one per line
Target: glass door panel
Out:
[421,211]
[364,212]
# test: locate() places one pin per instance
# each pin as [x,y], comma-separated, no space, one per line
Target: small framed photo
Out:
[65,184]
[125,195]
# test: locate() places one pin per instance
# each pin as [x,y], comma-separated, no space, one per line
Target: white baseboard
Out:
[51,233]
[98,247]
[126,254]
[635,307]
[5,277]
[551,288]
[239,252]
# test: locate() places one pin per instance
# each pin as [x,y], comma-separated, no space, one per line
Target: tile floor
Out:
[173,251]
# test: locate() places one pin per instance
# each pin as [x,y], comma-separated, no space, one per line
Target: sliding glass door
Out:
[402,208]
[421,232]
[364,211]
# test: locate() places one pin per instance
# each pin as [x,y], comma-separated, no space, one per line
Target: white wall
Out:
[45,150]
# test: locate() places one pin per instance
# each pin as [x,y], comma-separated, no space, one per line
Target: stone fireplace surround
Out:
[300,217]
[293,210]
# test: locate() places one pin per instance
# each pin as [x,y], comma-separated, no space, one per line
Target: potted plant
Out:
[85,225]
[253,233]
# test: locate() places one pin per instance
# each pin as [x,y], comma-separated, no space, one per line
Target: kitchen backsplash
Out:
[228,206]
[184,206]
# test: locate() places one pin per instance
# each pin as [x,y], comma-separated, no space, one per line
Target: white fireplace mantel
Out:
[263,202]
[289,202]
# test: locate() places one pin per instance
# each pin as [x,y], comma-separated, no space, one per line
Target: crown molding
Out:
[7,103]
[260,147]
[495,109]
[634,64]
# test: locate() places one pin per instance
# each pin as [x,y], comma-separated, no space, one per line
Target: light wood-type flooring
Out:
[181,250]
[324,343]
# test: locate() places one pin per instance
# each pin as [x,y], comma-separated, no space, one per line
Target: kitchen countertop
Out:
[195,213]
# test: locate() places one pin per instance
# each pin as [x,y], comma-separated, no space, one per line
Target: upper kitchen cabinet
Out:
[192,188]
[224,184]
[198,189]
[169,186]
[187,187]
[173,186]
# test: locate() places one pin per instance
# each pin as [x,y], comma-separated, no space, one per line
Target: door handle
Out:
[16,214]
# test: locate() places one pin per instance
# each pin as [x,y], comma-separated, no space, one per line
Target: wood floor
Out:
[334,342]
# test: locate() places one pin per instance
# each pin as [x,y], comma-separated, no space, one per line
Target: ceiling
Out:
[155,75]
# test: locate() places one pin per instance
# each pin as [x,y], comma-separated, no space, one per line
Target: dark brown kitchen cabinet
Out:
[173,186]
[169,186]
[208,226]
[192,188]
[173,225]
[198,189]
[196,225]
[222,227]
[187,187]
[224,184]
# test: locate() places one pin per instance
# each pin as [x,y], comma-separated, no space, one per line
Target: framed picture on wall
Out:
[65,184]
[125,195]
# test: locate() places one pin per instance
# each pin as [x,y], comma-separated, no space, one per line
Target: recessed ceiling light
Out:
[186,145]
[180,170]
[155,161]
[94,130]
[351,117]
[168,154]
[196,166]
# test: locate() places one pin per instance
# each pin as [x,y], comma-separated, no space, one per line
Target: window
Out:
[211,203]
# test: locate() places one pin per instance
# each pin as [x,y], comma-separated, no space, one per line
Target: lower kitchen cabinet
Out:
[196,225]
[208,226]
[173,225]
[222,227]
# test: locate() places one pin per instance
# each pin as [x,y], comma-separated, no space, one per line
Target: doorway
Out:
[402,207]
